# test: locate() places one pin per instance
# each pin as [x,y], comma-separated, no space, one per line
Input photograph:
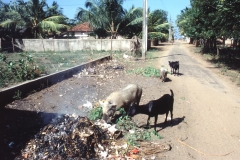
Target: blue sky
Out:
[173,7]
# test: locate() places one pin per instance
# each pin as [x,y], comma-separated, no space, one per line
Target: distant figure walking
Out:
[172,41]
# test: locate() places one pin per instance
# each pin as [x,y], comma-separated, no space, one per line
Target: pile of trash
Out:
[75,137]
[104,70]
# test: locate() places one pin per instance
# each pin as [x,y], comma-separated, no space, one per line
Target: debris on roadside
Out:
[103,71]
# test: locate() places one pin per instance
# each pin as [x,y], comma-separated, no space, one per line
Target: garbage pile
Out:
[67,137]
[73,137]
[103,70]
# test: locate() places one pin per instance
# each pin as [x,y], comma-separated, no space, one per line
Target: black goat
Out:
[174,66]
[155,107]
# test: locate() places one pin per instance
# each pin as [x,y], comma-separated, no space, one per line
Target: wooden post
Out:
[43,46]
[13,45]
[69,46]
[53,45]
[111,45]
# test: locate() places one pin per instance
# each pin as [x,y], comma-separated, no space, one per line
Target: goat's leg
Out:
[155,122]
[148,124]
[166,117]
[171,117]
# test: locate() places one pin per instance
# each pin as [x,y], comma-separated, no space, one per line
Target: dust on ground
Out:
[206,107]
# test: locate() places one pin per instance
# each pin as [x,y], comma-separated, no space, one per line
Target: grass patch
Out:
[183,98]
[146,71]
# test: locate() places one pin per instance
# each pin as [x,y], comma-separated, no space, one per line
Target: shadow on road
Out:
[176,121]
[166,56]
[164,125]
[178,74]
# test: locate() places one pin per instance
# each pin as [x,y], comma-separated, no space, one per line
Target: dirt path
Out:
[206,110]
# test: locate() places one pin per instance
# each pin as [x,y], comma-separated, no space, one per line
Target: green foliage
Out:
[34,15]
[12,71]
[125,123]
[157,35]
[147,72]
[210,19]
[96,113]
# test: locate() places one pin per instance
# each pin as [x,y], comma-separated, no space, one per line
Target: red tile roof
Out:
[84,27]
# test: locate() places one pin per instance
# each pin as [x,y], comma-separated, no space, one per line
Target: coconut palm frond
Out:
[136,21]
[182,22]
[56,19]
[50,25]
[117,27]
[133,13]
[8,23]
[162,26]
[156,35]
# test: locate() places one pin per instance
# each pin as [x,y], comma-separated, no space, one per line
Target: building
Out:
[81,30]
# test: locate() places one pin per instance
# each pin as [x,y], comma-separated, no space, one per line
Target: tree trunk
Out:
[191,41]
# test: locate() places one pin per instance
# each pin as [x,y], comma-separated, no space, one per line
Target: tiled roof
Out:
[84,27]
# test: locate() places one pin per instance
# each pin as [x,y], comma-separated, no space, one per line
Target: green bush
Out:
[13,71]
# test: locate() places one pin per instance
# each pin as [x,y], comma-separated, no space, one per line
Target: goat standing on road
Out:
[174,66]
[163,105]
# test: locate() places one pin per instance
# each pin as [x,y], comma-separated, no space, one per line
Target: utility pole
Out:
[144,29]
[170,30]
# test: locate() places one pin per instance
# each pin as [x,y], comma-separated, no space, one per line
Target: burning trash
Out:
[67,137]
[73,137]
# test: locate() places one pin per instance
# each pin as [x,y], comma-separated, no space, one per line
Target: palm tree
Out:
[9,17]
[157,24]
[32,15]
[103,14]
[126,27]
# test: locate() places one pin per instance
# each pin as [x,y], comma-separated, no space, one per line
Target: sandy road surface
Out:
[206,110]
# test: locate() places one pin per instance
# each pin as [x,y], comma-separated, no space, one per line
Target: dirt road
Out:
[206,110]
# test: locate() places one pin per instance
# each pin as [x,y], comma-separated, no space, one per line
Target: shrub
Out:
[13,71]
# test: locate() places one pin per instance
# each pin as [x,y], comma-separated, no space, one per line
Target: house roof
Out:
[84,27]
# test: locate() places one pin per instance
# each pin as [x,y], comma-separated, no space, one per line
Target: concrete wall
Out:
[42,45]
